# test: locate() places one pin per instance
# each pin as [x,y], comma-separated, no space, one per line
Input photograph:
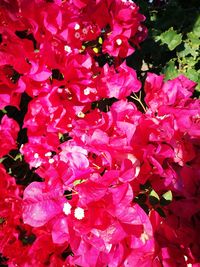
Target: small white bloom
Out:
[67,48]
[80,114]
[67,208]
[119,41]
[79,213]
[48,154]
[36,155]
[86,91]
[51,161]
[76,27]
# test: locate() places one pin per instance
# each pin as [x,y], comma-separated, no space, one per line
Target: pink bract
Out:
[94,158]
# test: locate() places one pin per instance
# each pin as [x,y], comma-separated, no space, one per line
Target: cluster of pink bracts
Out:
[84,211]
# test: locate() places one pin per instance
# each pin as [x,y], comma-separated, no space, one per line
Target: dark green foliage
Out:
[68,194]
[15,165]
[149,199]
[173,42]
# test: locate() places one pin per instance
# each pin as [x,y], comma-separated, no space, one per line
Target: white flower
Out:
[51,161]
[80,114]
[67,48]
[48,154]
[36,155]
[79,213]
[76,27]
[119,41]
[67,208]
[86,91]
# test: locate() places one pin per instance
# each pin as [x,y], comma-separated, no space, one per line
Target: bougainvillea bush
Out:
[98,168]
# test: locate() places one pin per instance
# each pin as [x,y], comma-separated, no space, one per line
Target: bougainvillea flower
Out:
[9,129]
[111,180]
[41,206]
[170,93]
[118,84]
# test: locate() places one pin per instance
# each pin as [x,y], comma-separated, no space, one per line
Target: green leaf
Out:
[171,38]
[68,194]
[166,198]
[170,70]
[28,239]
[18,156]
[153,197]
[190,48]
[2,220]
[193,75]
[100,40]
[193,39]
[168,195]
[4,111]
[196,27]
[2,159]
[76,182]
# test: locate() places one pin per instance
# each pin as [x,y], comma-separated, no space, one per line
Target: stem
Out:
[10,156]
[135,97]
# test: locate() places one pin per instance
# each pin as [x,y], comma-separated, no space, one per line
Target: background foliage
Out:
[173,42]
